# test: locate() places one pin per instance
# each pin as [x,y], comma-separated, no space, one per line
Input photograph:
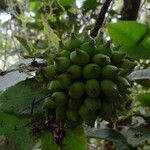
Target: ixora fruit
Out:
[109,72]
[60,113]
[109,88]
[63,53]
[101,60]
[72,115]
[92,88]
[79,57]
[62,63]
[60,98]
[76,90]
[54,86]
[91,71]
[74,72]
[127,64]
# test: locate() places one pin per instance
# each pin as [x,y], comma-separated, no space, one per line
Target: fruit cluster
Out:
[87,79]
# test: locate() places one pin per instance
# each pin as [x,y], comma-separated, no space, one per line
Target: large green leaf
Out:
[66,3]
[144,99]
[15,131]
[138,135]
[75,139]
[112,135]
[20,97]
[132,37]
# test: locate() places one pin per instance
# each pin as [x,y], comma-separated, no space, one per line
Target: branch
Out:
[130,9]
[100,19]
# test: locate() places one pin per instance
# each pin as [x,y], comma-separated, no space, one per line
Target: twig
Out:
[101,17]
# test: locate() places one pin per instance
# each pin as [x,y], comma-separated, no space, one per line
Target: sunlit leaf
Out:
[144,99]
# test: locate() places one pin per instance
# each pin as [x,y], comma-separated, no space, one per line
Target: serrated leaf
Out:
[15,131]
[132,37]
[19,98]
[75,139]
[112,135]
[144,99]
[49,32]
[139,74]
[138,135]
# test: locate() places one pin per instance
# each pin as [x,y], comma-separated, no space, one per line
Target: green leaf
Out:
[49,32]
[26,44]
[139,74]
[138,135]
[88,5]
[132,37]
[19,98]
[75,139]
[66,3]
[15,131]
[144,99]
[112,135]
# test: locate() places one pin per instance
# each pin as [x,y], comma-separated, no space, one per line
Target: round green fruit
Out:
[76,90]
[92,103]
[109,72]
[109,88]
[49,71]
[101,60]
[74,103]
[49,104]
[122,83]
[60,98]
[74,72]
[79,57]
[91,71]
[127,64]
[92,88]
[72,115]
[54,86]
[64,53]
[60,113]
[64,81]
[62,63]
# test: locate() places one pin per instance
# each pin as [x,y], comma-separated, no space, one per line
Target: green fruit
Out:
[49,71]
[122,83]
[62,63]
[74,103]
[92,88]
[64,53]
[117,57]
[72,115]
[76,90]
[91,71]
[72,43]
[60,98]
[92,104]
[88,116]
[109,88]
[74,72]
[89,47]
[127,64]
[60,113]
[49,104]
[84,37]
[109,72]
[49,58]
[144,99]
[105,49]
[64,81]
[54,86]
[101,60]
[79,57]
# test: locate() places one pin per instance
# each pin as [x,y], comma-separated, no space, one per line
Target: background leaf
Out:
[18,98]
[132,37]
[144,99]
[112,135]
[15,131]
